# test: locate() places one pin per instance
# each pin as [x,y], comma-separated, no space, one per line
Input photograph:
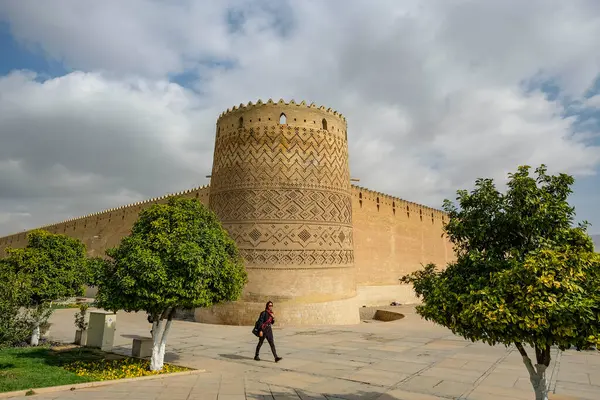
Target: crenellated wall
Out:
[393,237]
[312,242]
[102,230]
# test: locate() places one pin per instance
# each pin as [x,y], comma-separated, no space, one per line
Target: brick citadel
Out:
[313,243]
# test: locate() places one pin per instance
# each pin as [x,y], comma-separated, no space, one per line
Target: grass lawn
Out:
[37,367]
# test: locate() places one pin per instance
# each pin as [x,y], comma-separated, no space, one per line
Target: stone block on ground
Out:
[142,347]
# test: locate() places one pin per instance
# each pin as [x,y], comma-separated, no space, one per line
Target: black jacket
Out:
[264,316]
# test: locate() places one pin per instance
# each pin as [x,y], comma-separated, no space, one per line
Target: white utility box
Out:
[101,330]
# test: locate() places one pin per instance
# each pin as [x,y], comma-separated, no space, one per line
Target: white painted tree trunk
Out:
[163,343]
[160,331]
[537,377]
[156,330]
[35,336]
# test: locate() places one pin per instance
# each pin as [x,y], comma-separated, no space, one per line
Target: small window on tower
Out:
[324,123]
[241,122]
[282,119]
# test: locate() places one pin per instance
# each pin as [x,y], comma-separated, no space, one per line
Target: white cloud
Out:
[85,138]
[434,92]
[593,102]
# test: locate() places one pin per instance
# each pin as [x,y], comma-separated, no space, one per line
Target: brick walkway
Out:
[409,359]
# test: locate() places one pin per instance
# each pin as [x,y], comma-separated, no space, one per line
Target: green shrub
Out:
[14,324]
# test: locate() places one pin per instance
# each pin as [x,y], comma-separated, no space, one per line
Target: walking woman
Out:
[265,321]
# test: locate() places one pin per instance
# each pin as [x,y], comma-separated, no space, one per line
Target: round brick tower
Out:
[281,187]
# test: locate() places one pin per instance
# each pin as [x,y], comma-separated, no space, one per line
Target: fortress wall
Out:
[388,243]
[393,237]
[104,229]
[313,243]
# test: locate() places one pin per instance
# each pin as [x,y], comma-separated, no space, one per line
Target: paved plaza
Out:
[408,359]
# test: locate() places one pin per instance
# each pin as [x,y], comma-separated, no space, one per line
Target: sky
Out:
[107,103]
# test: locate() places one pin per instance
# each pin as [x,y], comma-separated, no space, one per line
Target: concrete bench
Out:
[142,347]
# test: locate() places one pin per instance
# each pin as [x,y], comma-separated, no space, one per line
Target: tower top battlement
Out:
[292,113]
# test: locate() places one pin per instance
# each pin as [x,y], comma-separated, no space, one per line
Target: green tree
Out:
[50,267]
[177,256]
[523,275]
[14,327]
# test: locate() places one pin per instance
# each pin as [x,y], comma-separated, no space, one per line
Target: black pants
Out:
[267,334]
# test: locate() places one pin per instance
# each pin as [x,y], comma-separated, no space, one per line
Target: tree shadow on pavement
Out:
[297,394]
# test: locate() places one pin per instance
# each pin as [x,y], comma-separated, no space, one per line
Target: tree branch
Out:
[164,313]
[171,314]
[521,349]
[526,359]
[543,355]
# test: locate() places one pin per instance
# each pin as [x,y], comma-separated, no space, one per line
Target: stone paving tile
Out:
[400,366]
[450,388]
[424,384]
[588,392]
[409,359]
[306,395]
[504,380]
[464,376]
[398,394]
[500,393]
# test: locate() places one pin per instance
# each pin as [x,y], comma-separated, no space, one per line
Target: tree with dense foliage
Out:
[14,326]
[523,275]
[49,268]
[177,256]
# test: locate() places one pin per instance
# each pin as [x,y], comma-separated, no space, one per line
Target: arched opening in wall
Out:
[360,199]
[324,123]
[377,203]
[282,119]
[421,214]
[394,207]
[241,122]
[407,211]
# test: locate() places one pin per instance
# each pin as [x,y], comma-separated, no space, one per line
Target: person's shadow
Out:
[235,357]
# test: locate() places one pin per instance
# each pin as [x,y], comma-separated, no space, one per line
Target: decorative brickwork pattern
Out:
[306,258]
[280,157]
[284,204]
[283,191]
[284,236]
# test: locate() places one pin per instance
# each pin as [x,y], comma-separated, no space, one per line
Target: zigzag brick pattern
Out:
[285,204]
[283,191]
[279,156]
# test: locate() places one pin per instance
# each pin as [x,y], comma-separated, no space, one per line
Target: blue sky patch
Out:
[17,56]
